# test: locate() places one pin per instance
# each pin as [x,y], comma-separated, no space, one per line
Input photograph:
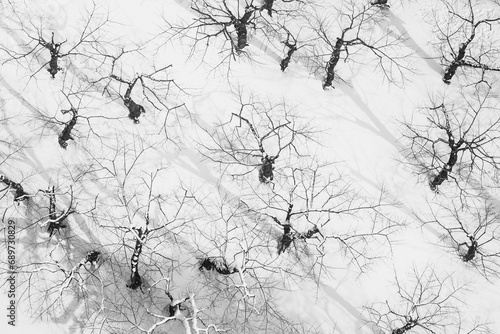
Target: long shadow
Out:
[413,45]
[380,129]
[361,321]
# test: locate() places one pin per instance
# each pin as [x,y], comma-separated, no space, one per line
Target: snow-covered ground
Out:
[117,172]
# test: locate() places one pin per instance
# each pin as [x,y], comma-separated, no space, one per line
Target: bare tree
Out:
[68,127]
[257,135]
[225,27]
[155,85]
[426,303]
[307,211]
[358,32]
[284,8]
[54,49]
[135,110]
[458,132]
[467,38]
[471,231]
[381,3]
[219,20]
[291,45]
[34,30]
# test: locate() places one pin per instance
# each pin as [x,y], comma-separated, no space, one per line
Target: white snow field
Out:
[244,198]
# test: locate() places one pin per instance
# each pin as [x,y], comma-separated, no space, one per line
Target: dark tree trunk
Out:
[284,63]
[439,179]
[266,169]
[92,256]
[135,110]
[54,54]
[135,281]
[53,67]
[471,253]
[309,234]
[455,64]
[241,28]
[286,239]
[443,174]
[450,72]
[218,264]
[241,31]
[471,250]
[289,236]
[66,133]
[332,63]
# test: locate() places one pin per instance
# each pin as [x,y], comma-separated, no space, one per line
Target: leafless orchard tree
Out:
[472,232]
[467,39]
[155,86]
[357,31]
[68,127]
[318,212]
[457,133]
[38,46]
[426,303]
[69,119]
[292,46]
[225,21]
[257,136]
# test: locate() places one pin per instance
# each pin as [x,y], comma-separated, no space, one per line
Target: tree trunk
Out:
[443,174]
[53,67]
[241,31]
[332,63]
[452,68]
[284,63]
[266,169]
[66,133]
[135,279]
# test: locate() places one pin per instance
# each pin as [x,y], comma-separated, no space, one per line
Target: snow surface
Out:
[358,124]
